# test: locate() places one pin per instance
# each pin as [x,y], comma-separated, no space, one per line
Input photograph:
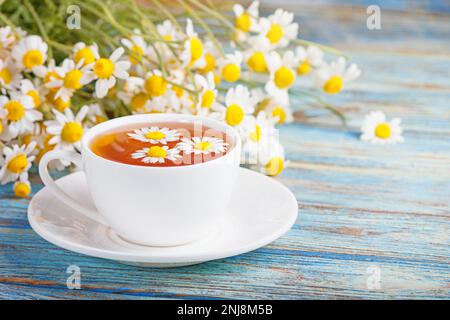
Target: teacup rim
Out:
[87,138]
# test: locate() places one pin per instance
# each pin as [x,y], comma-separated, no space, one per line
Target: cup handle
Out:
[74,157]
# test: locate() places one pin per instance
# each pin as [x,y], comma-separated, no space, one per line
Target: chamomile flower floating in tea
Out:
[20,114]
[155,135]
[15,162]
[157,154]
[202,145]
[30,52]
[378,130]
[335,75]
[67,129]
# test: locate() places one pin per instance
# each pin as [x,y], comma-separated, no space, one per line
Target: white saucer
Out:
[262,209]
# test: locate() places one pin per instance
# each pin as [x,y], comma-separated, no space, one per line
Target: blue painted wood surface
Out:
[360,205]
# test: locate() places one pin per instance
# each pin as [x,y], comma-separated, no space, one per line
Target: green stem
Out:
[40,25]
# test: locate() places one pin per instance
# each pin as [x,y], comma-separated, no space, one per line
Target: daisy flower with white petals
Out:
[378,130]
[230,66]
[30,52]
[208,93]
[136,45]
[155,135]
[106,70]
[157,154]
[155,84]
[279,111]
[239,106]
[333,76]
[202,145]
[67,129]
[28,88]
[48,72]
[271,157]
[96,114]
[88,54]
[246,20]
[10,75]
[15,162]
[71,78]
[6,37]
[307,59]
[22,188]
[257,56]
[20,115]
[168,31]
[282,75]
[193,54]
[279,28]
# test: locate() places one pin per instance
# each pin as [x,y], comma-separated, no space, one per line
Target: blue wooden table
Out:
[364,211]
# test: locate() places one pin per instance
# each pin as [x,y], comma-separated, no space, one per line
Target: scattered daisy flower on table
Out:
[10,75]
[230,66]
[279,28]
[202,145]
[155,135]
[157,154]
[15,162]
[271,157]
[22,187]
[72,77]
[332,77]
[239,107]
[20,114]
[307,59]
[378,130]
[246,20]
[88,54]
[67,129]
[106,70]
[30,52]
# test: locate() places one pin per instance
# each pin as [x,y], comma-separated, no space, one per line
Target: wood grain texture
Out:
[360,205]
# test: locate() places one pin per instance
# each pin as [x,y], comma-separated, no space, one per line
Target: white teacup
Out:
[155,206]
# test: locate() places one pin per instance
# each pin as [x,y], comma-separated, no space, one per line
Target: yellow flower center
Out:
[196,48]
[210,63]
[234,115]
[157,152]
[72,79]
[256,135]
[178,91]
[274,166]
[50,76]
[61,105]
[208,98]
[86,54]
[1,127]
[18,164]
[333,85]
[21,189]
[167,37]
[6,75]
[15,109]
[32,58]
[204,145]
[36,98]
[278,112]
[72,132]
[275,33]
[156,86]
[284,77]
[383,131]
[136,54]
[103,68]
[155,135]
[138,101]
[304,68]
[257,62]
[243,22]
[231,72]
